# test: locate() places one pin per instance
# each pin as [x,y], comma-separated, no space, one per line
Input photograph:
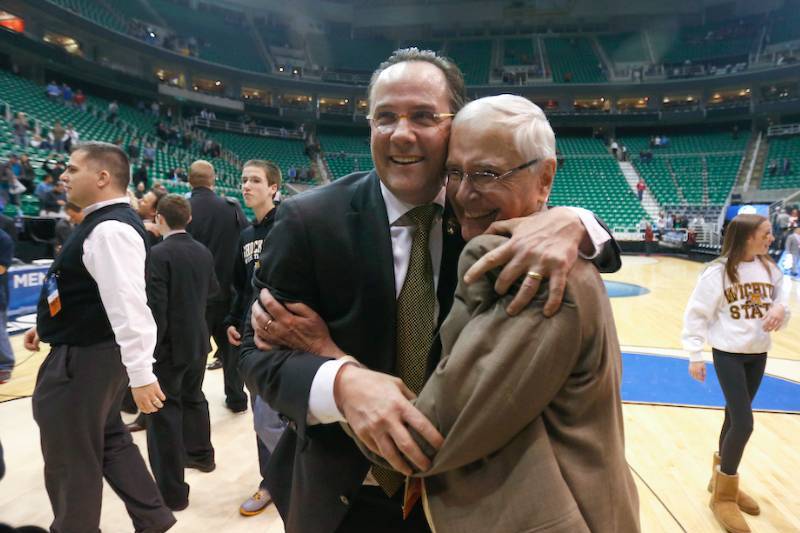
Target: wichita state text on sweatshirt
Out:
[730,316]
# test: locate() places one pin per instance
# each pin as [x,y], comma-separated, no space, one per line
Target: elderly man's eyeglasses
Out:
[482,178]
[387,121]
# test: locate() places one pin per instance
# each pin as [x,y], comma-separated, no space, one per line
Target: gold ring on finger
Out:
[534,275]
[269,323]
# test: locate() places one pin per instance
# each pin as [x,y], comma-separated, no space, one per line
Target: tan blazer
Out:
[531,413]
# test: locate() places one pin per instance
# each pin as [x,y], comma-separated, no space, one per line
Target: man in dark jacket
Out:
[216,223]
[180,280]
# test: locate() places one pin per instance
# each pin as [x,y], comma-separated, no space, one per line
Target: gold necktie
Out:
[416,306]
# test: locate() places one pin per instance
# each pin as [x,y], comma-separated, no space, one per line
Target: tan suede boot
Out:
[746,503]
[723,503]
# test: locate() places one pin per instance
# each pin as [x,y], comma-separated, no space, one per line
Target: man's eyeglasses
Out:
[387,121]
[482,178]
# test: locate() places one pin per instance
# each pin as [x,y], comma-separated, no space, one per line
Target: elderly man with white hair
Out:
[529,406]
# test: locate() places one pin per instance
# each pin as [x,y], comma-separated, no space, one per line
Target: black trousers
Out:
[181,430]
[739,377]
[373,511]
[235,398]
[76,404]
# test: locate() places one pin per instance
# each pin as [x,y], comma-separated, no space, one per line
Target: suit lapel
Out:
[452,244]
[368,225]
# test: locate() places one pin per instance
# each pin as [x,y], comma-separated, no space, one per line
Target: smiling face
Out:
[759,242]
[476,146]
[410,159]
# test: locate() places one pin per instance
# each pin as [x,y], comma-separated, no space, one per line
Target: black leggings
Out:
[739,376]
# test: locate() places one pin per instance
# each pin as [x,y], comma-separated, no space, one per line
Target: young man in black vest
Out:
[260,183]
[93,313]
[180,278]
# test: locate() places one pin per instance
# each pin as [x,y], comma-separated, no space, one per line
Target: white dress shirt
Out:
[114,254]
[322,407]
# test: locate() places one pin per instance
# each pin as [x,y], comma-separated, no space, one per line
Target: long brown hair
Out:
[734,247]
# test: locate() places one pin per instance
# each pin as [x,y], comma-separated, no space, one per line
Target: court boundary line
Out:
[708,407]
[654,493]
[679,355]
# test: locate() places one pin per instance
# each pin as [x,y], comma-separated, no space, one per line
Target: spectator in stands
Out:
[113,111]
[624,153]
[140,190]
[44,187]
[640,188]
[80,100]
[772,167]
[54,201]
[140,176]
[64,227]
[794,218]
[39,143]
[664,141]
[149,154]
[669,222]
[53,91]
[133,148]
[291,173]
[57,136]
[67,95]
[657,141]
[155,109]
[786,167]
[72,137]
[661,223]
[21,128]
[653,141]
[28,174]
[6,352]
[614,148]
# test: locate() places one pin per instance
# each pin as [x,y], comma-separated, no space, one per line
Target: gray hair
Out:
[453,75]
[531,131]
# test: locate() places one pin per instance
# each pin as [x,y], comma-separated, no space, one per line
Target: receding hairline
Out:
[382,77]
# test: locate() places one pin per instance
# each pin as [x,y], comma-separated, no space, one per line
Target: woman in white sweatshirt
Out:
[737,302]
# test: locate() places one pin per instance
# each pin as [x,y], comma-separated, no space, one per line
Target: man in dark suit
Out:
[180,279]
[375,255]
[217,223]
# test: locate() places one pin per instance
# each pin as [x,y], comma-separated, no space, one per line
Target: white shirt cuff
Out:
[322,407]
[695,357]
[597,234]
[140,378]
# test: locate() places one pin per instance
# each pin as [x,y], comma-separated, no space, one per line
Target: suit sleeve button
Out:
[344,500]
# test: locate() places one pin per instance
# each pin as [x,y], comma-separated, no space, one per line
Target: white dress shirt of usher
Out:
[322,408]
[114,254]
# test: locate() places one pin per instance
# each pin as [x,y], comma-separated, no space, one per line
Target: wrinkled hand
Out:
[148,398]
[31,340]
[377,406]
[294,326]
[234,337]
[774,317]
[697,370]
[546,242]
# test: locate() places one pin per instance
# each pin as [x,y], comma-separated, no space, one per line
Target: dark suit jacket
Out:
[217,223]
[331,249]
[180,279]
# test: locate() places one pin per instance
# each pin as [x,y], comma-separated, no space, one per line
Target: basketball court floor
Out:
[671,426]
